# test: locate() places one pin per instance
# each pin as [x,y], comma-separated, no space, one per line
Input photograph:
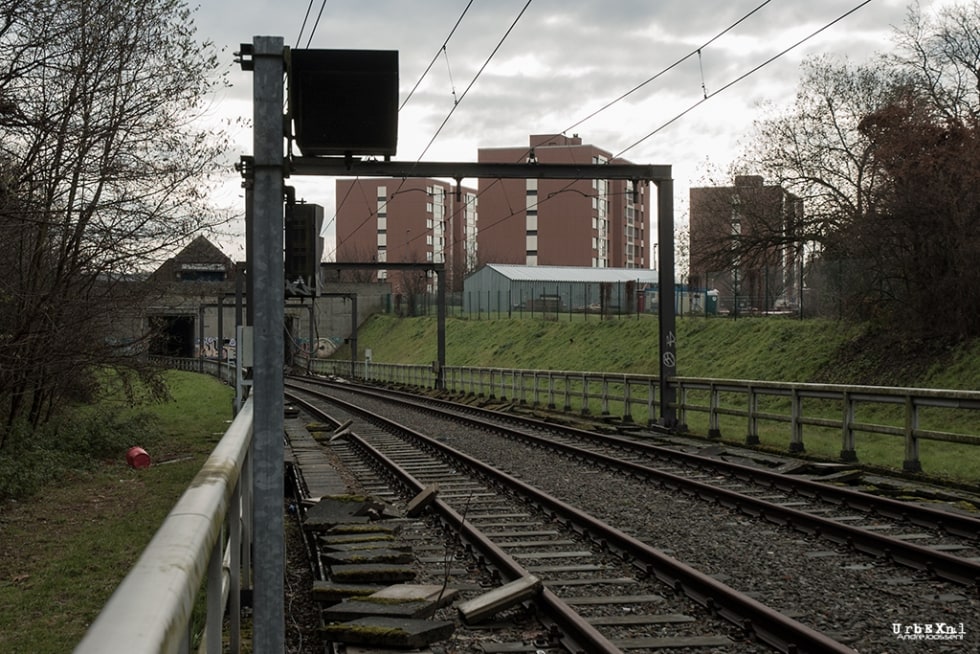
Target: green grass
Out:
[66,548]
[756,348]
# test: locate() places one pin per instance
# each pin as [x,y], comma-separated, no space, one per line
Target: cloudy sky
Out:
[561,61]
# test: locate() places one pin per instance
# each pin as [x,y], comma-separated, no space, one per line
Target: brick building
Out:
[408,221]
[590,223]
[744,244]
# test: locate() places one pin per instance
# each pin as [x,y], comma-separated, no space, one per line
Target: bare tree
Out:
[883,158]
[103,171]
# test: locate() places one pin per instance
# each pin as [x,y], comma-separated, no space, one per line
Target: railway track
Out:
[883,556]
[914,534]
[577,553]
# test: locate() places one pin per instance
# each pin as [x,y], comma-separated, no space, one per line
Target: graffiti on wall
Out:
[211,349]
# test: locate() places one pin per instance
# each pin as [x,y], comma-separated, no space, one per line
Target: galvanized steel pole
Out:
[267,276]
[667,311]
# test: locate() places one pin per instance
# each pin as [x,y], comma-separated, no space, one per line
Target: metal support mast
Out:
[266,275]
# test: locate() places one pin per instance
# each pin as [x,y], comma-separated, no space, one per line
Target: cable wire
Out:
[475,77]
[316,24]
[745,75]
[302,28]
[435,57]
[696,51]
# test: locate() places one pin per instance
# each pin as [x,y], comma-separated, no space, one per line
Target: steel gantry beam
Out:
[657,174]
[340,166]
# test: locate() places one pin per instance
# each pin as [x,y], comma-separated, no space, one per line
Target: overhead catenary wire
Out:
[649,80]
[302,27]
[316,23]
[455,104]
[745,75]
[408,97]
[670,67]
[707,96]
[475,78]
[435,57]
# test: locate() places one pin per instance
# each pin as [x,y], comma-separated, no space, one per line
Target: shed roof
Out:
[516,272]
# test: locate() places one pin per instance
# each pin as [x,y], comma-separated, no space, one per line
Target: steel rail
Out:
[578,633]
[753,617]
[952,523]
[953,568]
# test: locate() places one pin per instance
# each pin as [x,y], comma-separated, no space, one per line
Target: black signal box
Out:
[303,248]
[344,102]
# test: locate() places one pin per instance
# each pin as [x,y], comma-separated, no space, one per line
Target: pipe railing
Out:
[206,539]
[633,398]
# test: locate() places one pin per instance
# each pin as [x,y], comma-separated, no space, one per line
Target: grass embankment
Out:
[67,547]
[763,348]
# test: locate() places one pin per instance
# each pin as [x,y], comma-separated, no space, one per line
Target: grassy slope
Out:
[65,550]
[774,349]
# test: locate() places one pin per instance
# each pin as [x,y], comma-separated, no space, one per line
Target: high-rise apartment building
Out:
[745,244]
[591,223]
[407,221]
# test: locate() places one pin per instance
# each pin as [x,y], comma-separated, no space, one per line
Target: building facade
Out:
[408,221]
[590,223]
[745,244]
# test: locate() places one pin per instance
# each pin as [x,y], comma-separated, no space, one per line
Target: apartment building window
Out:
[382,193]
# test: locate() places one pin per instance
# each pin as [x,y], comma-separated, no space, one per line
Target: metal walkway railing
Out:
[205,540]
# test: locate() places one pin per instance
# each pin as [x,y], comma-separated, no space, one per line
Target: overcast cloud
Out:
[563,60]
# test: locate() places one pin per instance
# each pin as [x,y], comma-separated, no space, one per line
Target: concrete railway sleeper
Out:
[754,622]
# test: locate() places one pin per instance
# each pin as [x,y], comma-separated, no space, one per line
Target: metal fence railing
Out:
[205,540]
[911,414]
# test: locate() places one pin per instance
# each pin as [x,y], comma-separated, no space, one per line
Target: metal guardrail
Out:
[633,398]
[206,539]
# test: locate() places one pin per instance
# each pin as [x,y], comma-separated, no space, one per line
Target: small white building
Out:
[506,288]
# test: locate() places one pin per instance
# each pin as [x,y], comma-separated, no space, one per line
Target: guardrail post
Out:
[652,404]
[605,396]
[551,390]
[235,570]
[585,395]
[627,403]
[568,392]
[214,596]
[752,434]
[796,423]
[912,462]
[714,399]
[847,451]
[535,394]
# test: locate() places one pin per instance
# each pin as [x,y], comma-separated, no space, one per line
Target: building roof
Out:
[516,272]
[199,254]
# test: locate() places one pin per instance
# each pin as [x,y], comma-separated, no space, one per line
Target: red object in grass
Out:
[137,458]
